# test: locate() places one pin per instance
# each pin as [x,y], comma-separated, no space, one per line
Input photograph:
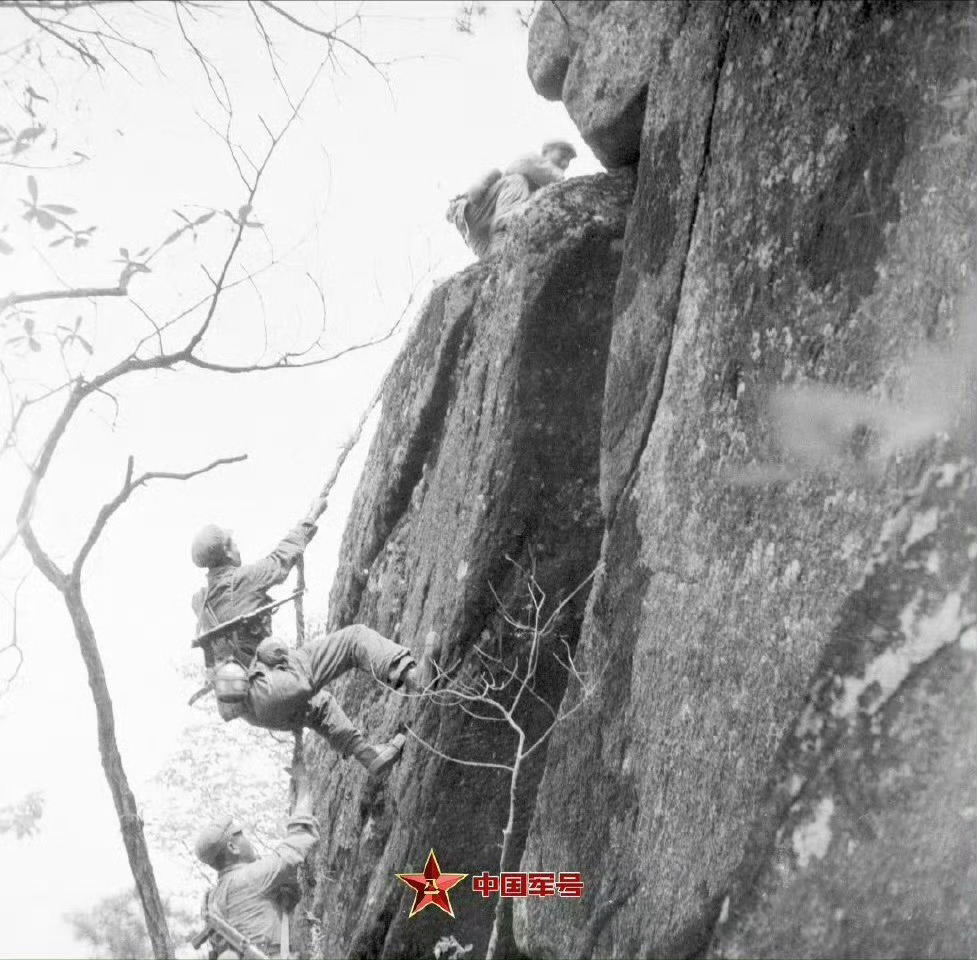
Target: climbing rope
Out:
[351,441]
[298,751]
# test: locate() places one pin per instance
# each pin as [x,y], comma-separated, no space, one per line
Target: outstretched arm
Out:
[317,509]
[278,869]
[274,569]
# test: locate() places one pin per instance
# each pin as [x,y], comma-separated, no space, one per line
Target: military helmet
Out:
[211,840]
[208,547]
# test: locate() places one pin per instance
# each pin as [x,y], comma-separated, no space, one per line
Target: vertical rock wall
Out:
[740,375]
[804,215]
[797,220]
[488,448]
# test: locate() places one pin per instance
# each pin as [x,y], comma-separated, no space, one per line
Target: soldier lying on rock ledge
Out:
[275,686]
[482,213]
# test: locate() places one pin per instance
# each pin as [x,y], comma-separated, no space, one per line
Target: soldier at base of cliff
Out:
[255,894]
[483,212]
[271,685]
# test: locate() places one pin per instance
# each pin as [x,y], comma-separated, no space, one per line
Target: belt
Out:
[272,950]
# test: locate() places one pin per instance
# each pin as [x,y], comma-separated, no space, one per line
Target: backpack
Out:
[271,689]
[462,207]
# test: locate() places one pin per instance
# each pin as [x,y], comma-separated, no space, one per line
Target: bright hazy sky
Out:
[355,198]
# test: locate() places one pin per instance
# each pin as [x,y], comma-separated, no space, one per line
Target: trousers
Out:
[293,693]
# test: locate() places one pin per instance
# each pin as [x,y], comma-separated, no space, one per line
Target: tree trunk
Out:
[125,803]
[503,906]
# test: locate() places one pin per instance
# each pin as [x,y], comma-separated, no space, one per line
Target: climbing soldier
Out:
[272,685]
[246,912]
[482,213]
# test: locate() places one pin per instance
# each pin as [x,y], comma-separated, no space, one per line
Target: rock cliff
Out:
[488,449]
[735,377]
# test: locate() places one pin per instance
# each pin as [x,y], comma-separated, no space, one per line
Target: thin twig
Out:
[14,642]
[484,764]
[76,293]
[80,49]
[128,486]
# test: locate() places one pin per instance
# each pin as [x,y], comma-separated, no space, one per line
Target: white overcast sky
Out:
[355,198]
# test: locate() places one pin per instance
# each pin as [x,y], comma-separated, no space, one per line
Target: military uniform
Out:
[232,591]
[252,897]
[286,686]
[484,217]
[291,693]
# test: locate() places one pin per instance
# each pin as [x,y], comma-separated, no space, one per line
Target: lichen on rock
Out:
[739,383]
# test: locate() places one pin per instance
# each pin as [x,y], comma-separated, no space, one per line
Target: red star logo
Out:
[431,886]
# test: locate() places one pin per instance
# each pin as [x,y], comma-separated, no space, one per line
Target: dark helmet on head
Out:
[209,546]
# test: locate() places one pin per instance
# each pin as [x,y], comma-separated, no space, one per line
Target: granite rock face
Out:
[555,34]
[866,843]
[739,383]
[488,447]
[598,58]
[795,249]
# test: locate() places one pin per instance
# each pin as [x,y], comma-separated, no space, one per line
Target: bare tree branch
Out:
[482,764]
[331,35]
[129,485]
[188,349]
[210,71]
[270,48]
[121,289]
[86,56]
[61,6]
[14,642]
[54,574]
[285,361]
[156,327]
[492,692]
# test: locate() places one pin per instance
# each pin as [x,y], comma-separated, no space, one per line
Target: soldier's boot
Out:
[417,679]
[379,759]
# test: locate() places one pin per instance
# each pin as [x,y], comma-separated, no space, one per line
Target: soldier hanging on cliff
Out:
[277,687]
[482,213]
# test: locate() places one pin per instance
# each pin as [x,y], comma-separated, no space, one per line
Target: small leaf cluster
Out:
[49,216]
[66,336]
[22,818]
[132,264]
[18,142]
